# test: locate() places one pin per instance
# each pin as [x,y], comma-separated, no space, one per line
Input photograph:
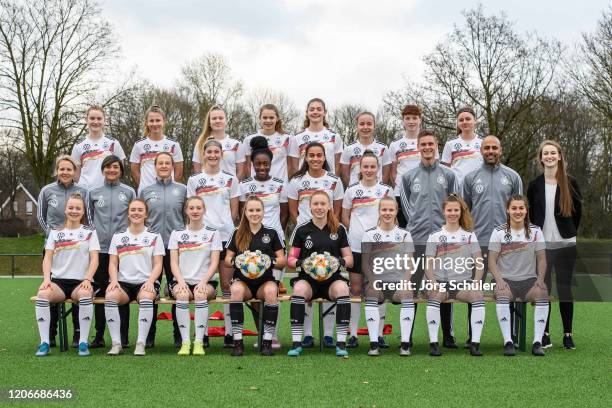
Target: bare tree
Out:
[288,112]
[343,120]
[52,56]
[13,167]
[487,65]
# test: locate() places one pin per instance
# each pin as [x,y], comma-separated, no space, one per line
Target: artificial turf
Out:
[580,377]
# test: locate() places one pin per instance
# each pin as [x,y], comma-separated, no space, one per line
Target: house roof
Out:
[25,190]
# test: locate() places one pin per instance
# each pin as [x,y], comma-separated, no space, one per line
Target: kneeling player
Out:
[319,248]
[134,268]
[452,252]
[517,260]
[388,231]
[254,251]
[194,259]
[71,259]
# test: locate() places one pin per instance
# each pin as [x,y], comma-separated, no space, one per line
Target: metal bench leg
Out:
[519,324]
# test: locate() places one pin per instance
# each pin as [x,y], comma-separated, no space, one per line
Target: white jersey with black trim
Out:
[194,250]
[517,253]
[279,146]
[144,152]
[71,248]
[404,151]
[351,156]
[332,142]
[233,154]
[216,190]
[363,201]
[463,156]
[89,154]
[454,254]
[273,193]
[302,188]
[136,254]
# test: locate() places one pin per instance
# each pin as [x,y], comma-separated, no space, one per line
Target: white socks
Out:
[433,319]
[372,319]
[183,319]
[540,315]
[477,320]
[85,317]
[200,319]
[43,317]
[503,317]
[145,318]
[113,320]
[406,319]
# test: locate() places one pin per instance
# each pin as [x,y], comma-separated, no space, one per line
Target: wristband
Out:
[342,262]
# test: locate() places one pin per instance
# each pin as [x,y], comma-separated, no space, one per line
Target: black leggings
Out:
[562,261]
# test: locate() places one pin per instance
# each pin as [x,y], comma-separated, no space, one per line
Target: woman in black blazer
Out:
[556,207]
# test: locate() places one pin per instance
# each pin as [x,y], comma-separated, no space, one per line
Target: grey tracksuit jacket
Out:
[52,204]
[422,191]
[165,200]
[108,207]
[486,190]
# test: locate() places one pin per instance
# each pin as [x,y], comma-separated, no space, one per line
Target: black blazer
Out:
[536,194]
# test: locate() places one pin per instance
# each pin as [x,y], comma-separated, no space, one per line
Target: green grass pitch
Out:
[563,378]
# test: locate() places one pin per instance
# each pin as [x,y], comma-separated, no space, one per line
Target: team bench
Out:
[519,321]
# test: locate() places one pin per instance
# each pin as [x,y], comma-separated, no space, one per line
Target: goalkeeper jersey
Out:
[265,240]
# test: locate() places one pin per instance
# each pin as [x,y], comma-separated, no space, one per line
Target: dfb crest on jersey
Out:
[176,192]
[271,189]
[478,188]
[80,235]
[227,146]
[504,180]
[477,146]
[184,237]
[359,192]
[105,145]
[325,138]
[464,238]
[441,179]
[146,241]
[122,196]
[375,151]
[166,146]
[378,192]
[146,147]
[333,236]
[416,188]
[326,184]
[265,239]
[277,141]
[53,202]
[125,240]
[398,237]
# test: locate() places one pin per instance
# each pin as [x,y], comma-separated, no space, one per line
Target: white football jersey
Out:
[396,235]
[272,192]
[363,203]
[233,154]
[194,249]
[89,154]
[330,141]
[404,151]
[136,254]
[145,151]
[217,190]
[302,188]
[71,249]
[463,156]
[351,156]
[452,250]
[517,253]
[279,146]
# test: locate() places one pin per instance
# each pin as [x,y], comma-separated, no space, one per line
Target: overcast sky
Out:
[345,51]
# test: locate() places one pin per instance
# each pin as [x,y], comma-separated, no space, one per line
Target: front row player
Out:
[451,254]
[388,231]
[194,259]
[319,248]
[517,261]
[71,260]
[134,268]
[254,251]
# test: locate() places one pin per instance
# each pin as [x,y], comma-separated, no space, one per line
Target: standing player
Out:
[107,206]
[517,261]
[278,143]
[557,209]
[194,258]
[319,248]
[253,251]
[71,259]
[452,252]
[134,268]
[360,213]
[89,152]
[486,191]
[351,155]
[220,193]
[214,127]
[316,129]
[314,175]
[423,190]
[51,215]
[273,193]
[165,201]
[388,231]
[145,150]
[404,153]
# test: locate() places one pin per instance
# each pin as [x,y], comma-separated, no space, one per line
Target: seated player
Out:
[451,254]
[254,251]
[194,259]
[70,262]
[134,268]
[319,248]
[517,260]
[388,230]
